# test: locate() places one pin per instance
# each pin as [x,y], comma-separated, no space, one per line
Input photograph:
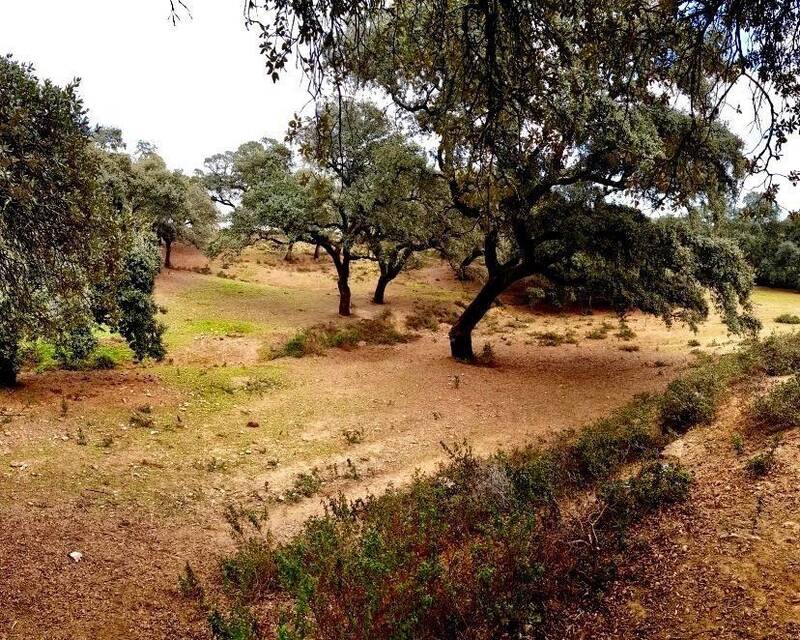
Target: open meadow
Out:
[134,466]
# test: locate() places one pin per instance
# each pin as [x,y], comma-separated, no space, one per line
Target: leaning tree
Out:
[526,99]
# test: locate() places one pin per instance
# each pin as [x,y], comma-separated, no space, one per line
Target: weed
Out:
[81,437]
[600,332]
[188,584]
[630,348]
[761,464]
[64,407]
[304,485]
[737,443]
[486,357]
[353,436]
[624,332]
[788,318]
[555,339]
[694,343]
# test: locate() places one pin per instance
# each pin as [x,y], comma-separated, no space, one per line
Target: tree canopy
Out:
[67,247]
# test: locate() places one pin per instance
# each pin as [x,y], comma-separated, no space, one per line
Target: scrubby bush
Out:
[429,315]
[761,464]
[315,340]
[600,332]
[775,355]
[692,400]
[779,408]
[657,484]
[788,318]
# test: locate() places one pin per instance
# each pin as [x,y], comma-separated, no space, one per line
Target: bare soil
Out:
[76,474]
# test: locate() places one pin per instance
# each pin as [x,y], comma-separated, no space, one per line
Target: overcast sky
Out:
[193,89]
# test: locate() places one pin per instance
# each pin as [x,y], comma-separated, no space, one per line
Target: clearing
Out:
[133,466]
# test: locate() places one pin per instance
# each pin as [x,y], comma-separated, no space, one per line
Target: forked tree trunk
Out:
[168,254]
[461,331]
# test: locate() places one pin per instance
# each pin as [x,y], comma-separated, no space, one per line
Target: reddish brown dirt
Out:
[724,566]
[132,519]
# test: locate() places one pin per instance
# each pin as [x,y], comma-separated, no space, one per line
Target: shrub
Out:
[428,315]
[625,332]
[694,342]
[252,571]
[315,340]
[237,625]
[788,318]
[775,355]
[761,464]
[630,348]
[692,400]
[779,408]
[657,484]
[600,332]
[554,339]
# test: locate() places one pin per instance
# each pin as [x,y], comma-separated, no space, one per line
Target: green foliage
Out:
[236,625]
[555,339]
[656,485]
[600,332]
[779,408]
[788,318]
[64,274]
[315,340]
[693,399]
[775,355]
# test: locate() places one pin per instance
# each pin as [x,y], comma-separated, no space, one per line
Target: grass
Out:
[555,339]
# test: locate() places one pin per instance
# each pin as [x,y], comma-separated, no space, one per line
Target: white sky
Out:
[194,89]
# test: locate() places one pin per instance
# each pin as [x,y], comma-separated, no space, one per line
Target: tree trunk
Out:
[461,332]
[9,351]
[380,291]
[168,254]
[343,271]
[316,252]
[8,373]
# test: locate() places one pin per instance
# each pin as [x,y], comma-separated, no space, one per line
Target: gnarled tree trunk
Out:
[461,331]
[343,282]
[9,350]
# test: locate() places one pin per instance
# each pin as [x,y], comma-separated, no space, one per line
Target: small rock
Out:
[77,556]
[362,343]
[253,424]
[19,465]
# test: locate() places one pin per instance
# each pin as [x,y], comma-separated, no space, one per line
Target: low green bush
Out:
[315,340]
[788,318]
[694,399]
[656,485]
[779,408]
[775,355]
